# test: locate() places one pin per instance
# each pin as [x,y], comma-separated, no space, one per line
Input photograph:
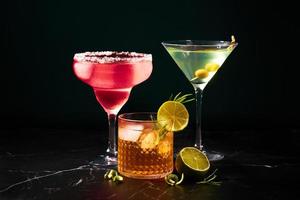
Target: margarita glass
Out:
[199,61]
[112,76]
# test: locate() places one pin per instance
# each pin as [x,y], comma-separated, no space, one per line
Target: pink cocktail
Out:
[112,76]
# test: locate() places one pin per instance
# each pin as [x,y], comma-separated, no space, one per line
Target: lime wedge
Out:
[192,162]
[173,116]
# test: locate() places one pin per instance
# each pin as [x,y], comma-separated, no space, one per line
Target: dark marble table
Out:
[55,164]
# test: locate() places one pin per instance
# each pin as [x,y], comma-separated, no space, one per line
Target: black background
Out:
[257,87]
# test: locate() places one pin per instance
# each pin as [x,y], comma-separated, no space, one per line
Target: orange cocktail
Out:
[145,151]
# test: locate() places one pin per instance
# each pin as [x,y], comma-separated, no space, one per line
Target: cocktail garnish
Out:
[183,99]
[232,39]
[232,43]
[111,57]
[113,175]
[212,67]
[172,115]
[148,139]
[110,174]
[194,164]
[209,179]
[201,73]
[172,179]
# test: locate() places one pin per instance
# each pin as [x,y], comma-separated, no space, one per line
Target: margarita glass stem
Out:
[198,97]
[112,146]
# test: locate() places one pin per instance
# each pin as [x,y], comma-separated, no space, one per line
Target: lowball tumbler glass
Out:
[143,152]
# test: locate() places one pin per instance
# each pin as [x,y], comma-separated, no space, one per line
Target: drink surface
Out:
[141,154]
[204,62]
[112,75]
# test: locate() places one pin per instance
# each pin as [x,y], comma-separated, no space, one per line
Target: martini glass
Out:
[112,75]
[199,61]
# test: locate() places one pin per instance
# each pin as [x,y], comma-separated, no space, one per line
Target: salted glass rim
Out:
[107,57]
[138,117]
[198,43]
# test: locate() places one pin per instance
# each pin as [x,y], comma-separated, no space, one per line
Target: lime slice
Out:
[192,162]
[173,116]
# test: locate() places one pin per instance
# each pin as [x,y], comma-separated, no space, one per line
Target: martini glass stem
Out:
[112,146]
[198,97]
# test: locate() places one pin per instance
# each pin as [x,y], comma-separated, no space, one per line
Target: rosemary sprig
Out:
[177,96]
[183,99]
[171,97]
[162,133]
[172,179]
[209,179]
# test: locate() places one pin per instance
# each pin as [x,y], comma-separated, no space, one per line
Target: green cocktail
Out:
[199,61]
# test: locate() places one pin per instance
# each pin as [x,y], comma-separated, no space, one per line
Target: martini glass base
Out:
[105,161]
[213,155]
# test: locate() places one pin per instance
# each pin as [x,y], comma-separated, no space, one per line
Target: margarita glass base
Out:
[105,161]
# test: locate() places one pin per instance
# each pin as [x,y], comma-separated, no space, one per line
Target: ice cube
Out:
[130,132]
[148,139]
[165,145]
[164,148]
